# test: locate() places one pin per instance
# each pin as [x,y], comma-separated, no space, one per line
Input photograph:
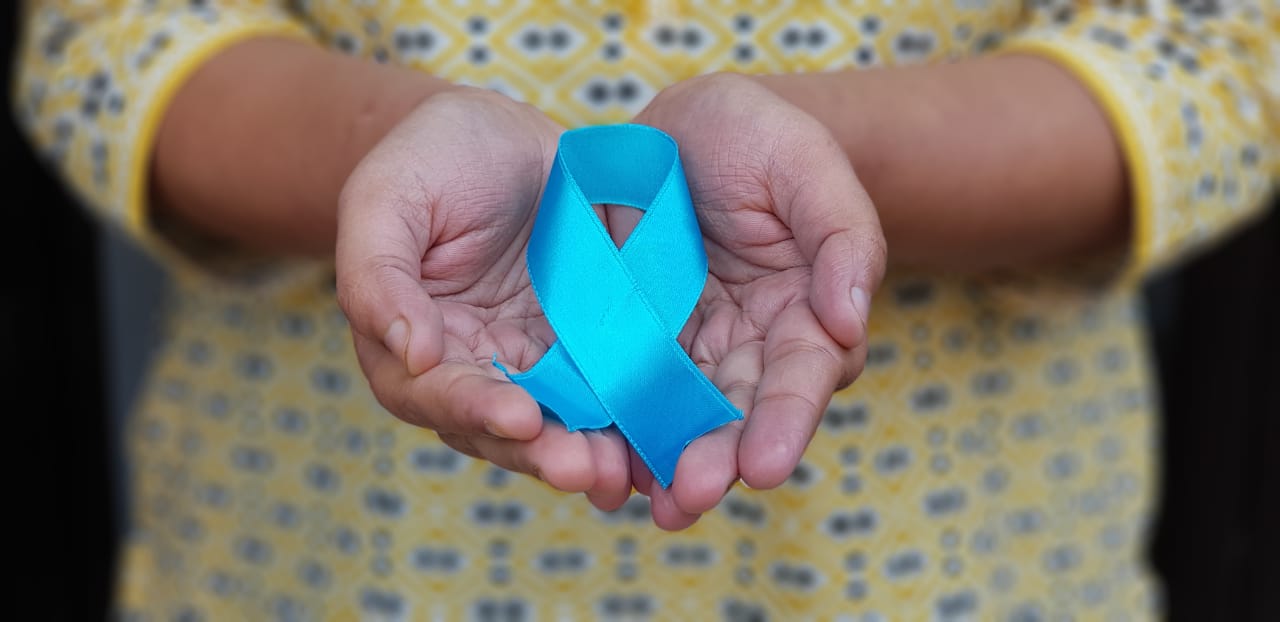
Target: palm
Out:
[475,267]
[433,228]
[758,284]
[788,233]
[756,273]
[486,168]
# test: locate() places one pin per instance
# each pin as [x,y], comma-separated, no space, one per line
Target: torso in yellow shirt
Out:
[994,462]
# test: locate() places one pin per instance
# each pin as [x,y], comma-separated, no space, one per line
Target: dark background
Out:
[1217,535]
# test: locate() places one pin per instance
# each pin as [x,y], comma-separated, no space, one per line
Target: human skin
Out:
[288,148]
[970,165]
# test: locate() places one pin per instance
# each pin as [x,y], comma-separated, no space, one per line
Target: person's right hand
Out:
[432,230]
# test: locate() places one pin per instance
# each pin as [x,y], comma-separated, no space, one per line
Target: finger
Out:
[846,272]
[621,220]
[802,366]
[666,514]
[641,477]
[837,229]
[709,465]
[612,485]
[558,457]
[452,397]
[381,241]
[707,469]
[461,444]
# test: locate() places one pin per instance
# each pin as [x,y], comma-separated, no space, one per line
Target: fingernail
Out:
[397,340]
[861,304]
[493,430]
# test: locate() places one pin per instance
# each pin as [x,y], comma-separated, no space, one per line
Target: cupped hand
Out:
[432,231]
[795,252]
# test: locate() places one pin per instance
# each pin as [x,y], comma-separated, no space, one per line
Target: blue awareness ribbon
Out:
[616,312]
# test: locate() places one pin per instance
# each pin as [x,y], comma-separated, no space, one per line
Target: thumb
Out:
[838,230]
[847,270]
[380,284]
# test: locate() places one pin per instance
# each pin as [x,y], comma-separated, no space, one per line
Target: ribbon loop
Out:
[616,312]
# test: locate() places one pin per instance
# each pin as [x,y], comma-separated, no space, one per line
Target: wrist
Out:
[863,115]
[992,161]
[256,144]
[390,95]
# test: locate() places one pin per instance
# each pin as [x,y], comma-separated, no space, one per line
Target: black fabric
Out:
[54,409]
[1217,535]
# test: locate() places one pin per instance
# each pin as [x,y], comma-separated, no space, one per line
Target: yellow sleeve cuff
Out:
[1133,128]
[179,69]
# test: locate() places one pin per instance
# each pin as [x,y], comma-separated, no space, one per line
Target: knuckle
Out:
[786,396]
[452,389]
[355,291]
[816,357]
[410,410]
[721,81]
[404,407]
[361,291]
[854,362]
[463,100]
[874,248]
[461,444]
[744,387]
[518,460]
[609,479]
[869,252]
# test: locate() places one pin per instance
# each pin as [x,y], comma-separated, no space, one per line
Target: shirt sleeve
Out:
[1192,89]
[94,79]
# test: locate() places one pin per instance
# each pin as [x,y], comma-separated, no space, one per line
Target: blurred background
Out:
[79,316]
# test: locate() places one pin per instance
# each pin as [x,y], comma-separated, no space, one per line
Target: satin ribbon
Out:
[616,312]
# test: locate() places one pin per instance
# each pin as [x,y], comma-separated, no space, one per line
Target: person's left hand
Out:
[795,252]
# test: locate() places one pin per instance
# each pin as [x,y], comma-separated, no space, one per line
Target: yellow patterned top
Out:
[994,462]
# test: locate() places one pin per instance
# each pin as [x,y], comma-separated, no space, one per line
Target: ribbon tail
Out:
[561,391]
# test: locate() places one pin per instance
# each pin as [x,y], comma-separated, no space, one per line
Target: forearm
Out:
[255,147]
[990,162]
